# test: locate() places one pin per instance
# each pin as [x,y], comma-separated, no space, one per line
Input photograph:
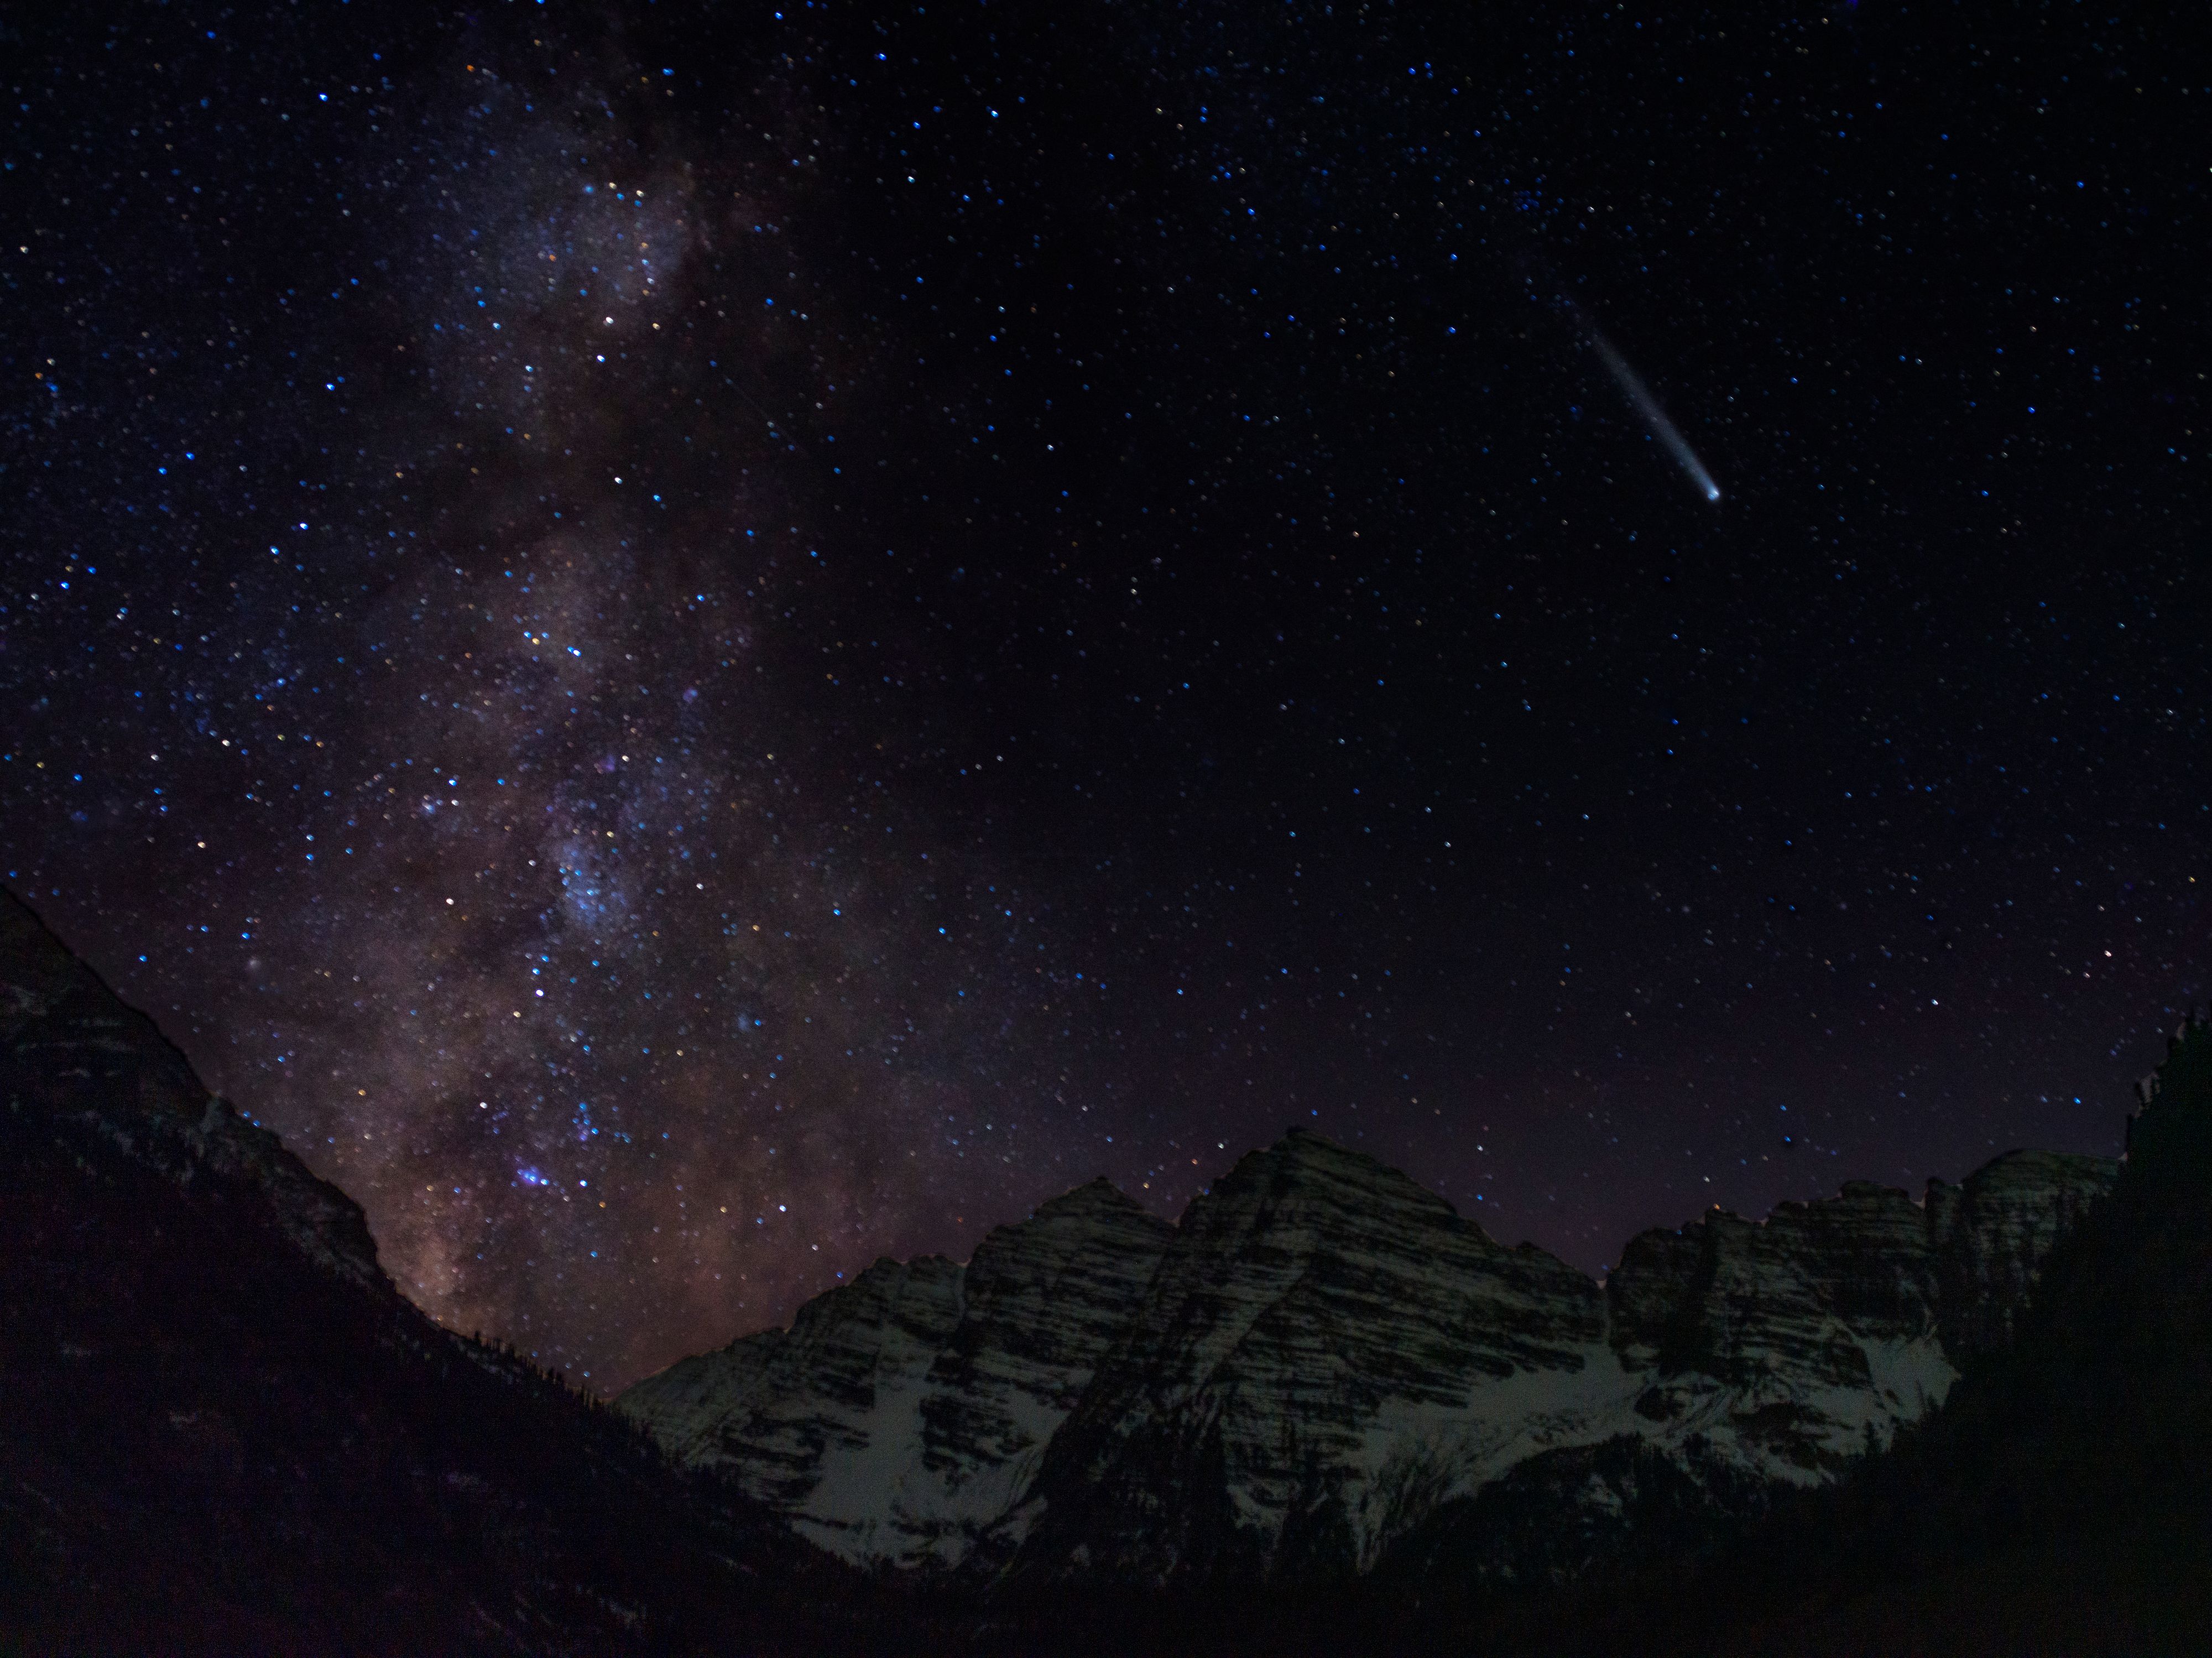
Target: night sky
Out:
[693,643]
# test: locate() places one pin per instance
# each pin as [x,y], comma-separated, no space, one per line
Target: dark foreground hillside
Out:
[222,1430]
[2060,1502]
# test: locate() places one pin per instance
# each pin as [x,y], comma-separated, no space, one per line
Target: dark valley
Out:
[1323,1406]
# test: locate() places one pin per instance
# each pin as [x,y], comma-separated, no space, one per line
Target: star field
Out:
[693,644]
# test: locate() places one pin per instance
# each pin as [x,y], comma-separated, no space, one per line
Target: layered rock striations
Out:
[1325,1367]
[903,1414]
[1319,1324]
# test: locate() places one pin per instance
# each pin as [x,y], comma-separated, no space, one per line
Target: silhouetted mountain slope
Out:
[222,1430]
[2058,1501]
[2062,1499]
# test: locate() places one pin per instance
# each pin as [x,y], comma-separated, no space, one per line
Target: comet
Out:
[1655,416]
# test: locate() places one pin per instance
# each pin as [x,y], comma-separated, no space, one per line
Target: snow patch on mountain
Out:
[1322,1357]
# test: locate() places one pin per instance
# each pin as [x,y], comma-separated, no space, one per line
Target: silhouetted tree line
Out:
[213,1442]
[235,1448]
[2058,1501]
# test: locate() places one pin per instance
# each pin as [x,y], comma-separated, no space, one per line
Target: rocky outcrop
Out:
[1790,1345]
[1319,1325]
[227,1431]
[70,1050]
[1325,1366]
[904,1413]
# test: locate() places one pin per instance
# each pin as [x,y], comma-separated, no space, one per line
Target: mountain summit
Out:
[228,1431]
[1324,1366]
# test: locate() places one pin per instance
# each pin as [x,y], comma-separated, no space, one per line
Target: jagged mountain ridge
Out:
[1323,1360]
[227,1431]
[903,1414]
[72,1050]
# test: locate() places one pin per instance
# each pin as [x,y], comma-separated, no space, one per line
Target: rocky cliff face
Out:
[905,1413]
[1324,1365]
[226,1431]
[70,1049]
[1319,1325]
